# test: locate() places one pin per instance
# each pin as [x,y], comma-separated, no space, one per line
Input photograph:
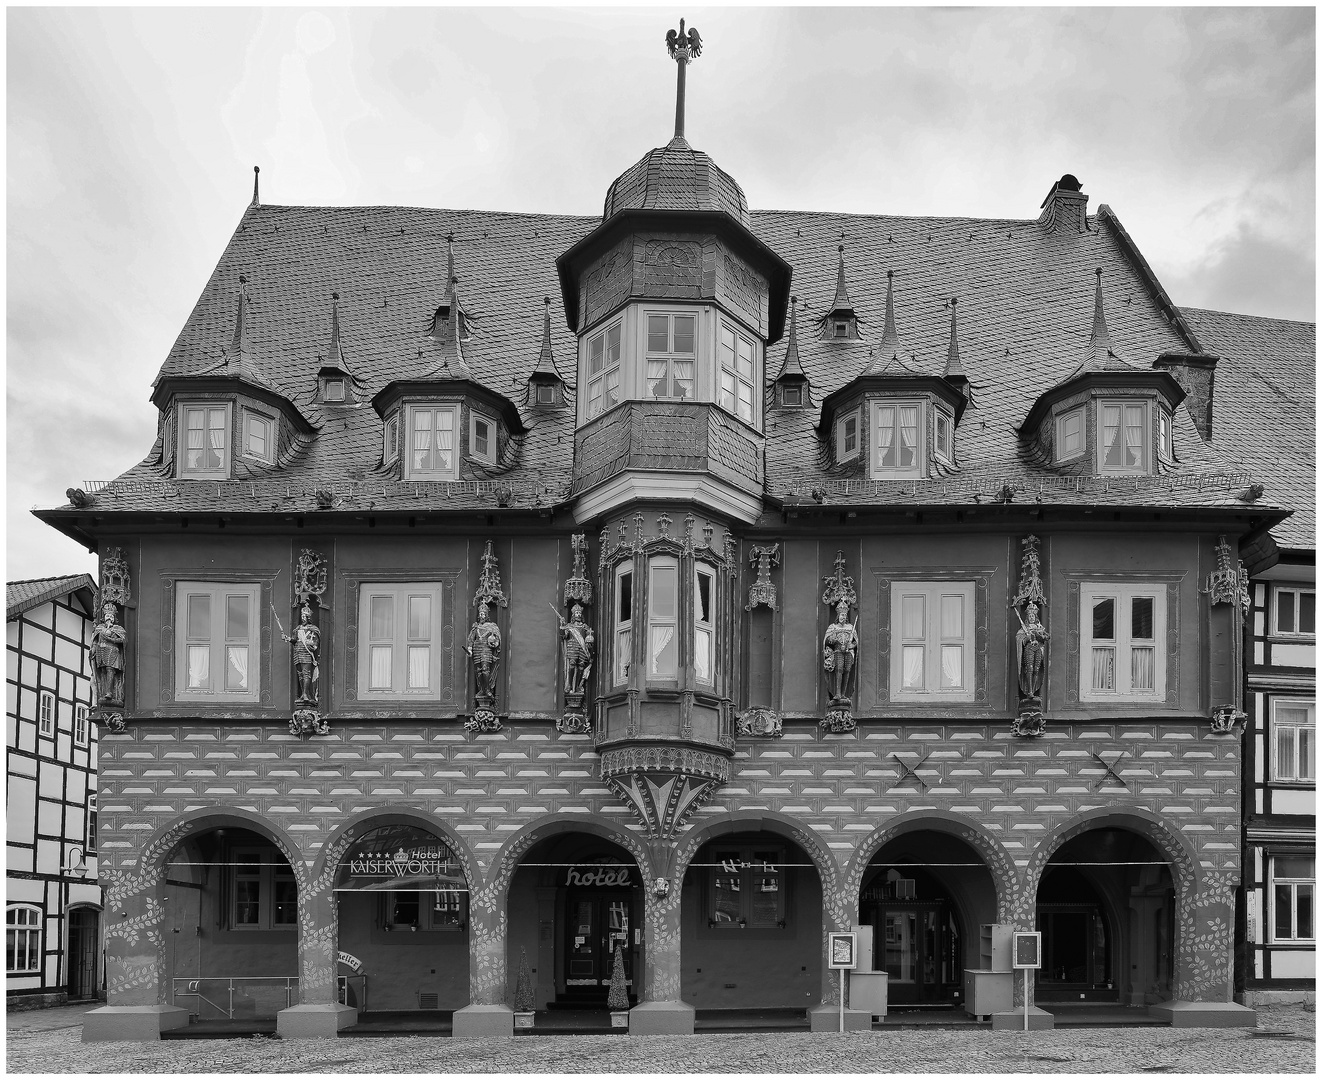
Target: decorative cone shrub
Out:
[523,999]
[618,998]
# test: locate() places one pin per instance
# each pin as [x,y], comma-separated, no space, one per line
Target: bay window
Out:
[603,379]
[737,380]
[217,641]
[399,652]
[204,432]
[1125,437]
[671,358]
[481,438]
[431,442]
[1294,750]
[897,438]
[846,437]
[932,641]
[1122,642]
[944,442]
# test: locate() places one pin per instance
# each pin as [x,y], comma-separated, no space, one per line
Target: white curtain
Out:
[196,439]
[702,655]
[419,666]
[238,667]
[1133,436]
[1110,435]
[380,664]
[199,667]
[1285,763]
[217,432]
[662,664]
[623,646]
[908,436]
[1103,669]
[886,437]
[952,666]
[422,439]
[1143,669]
[913,667]
[1306,770]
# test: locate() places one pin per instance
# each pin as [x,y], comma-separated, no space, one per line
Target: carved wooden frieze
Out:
[763,590]
[663,785]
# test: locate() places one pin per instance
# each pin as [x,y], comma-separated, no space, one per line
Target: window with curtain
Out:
[431,440]
[1122,642]
[603,370]
[22,938]
[204,438]
[662,618]
[217,636]
[738,363]
[1291,891]
[1125,437]
[623,622]
[1294,748]
[399,633]
[932,640]
[671,358]
[898,447]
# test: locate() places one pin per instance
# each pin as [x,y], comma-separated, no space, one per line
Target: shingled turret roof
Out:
[676,177]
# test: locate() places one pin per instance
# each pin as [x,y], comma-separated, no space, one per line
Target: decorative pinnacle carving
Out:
[488,583]
[577,586]
[838,586]
[309,576]
[638,539]
[689,522]
[763,591]
[663,522]
[114,578]
[1229,582]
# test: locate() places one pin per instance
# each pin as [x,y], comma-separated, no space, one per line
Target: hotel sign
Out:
[399,857]
[603,877]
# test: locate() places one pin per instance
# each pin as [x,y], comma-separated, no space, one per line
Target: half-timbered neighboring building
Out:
[52,899]
[676,585]
[1265,412]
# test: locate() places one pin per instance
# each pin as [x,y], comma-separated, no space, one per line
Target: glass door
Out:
[595,924]
[917,945]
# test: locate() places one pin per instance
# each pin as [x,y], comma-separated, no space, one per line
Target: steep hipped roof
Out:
[21,596]
[1026,314]
[1264,410]
[676,177]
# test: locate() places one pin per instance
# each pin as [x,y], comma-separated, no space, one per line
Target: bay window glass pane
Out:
[444,439]
[382,616]
[256,437]
[851,434]
[194,437]
[215,439]
[727,400]
[379,664]
[663,592]
[419,618]
[684,331]
[908,436]
[702,599]
[1111,447]
[1143,669]
[612,395]
[199,667]
[623,648]
[745,359]
[952,667]
[236,618]
[658,333]
[624,598]
[1285,761]
[199,616]
[886,441]
[596,354]
[1103,619]
[613,345]
[480,438]
[658,382]
[1141,618]
[1283,923]
[913,667]
[683,378]
[1134,435]
[1307,613]
[1285,612]
[913,617]
[419,665]
[236,667]
[1103,669]
[422,441]
[661,651]
[952,617]
[702,655]
[746,402]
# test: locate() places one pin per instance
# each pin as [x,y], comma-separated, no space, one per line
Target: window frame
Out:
[1278,726]
[919,467]
[427,920]
[545,394]
[1297,591]
[1273,884]
[219,593]
[475,418]
[747,871]
[1146,427]
[247,415]
[46,710]
[706,626]
[797,391]
[842,450]
[89,838]
[222,471]
[601,378]
[390,439]
[271,869]
[400,641]
[622,627]
[1165,434]
[943,448]
[659,621]
[933,641]
[728,326]
[31,934]
[339,382]
[670,356]
[1123,593]
[1079,412]
[80,725]
[435,408]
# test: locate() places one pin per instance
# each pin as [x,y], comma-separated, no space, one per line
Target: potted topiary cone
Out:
[618,998]
[523,1000]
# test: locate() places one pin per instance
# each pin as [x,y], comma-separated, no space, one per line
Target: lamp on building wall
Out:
[77,863]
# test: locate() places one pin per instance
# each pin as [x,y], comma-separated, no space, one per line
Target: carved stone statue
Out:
[579,642]
[1031,650]
[839,650]
[106,654]
[306,642]
[484,648]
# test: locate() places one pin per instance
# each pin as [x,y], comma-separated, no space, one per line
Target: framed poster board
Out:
[1027,950]
[842,951]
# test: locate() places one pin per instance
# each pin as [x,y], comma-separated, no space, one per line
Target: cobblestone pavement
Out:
[48,1042]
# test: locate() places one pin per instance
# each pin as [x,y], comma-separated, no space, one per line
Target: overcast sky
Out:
[132,135]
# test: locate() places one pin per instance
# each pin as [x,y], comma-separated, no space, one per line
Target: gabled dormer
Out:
[892,421]
[840,323]
[546,389]
[791,389]
[228,422]
[1109,416]
[440,424]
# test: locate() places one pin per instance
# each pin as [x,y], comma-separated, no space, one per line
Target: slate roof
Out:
[21,596]
[1264,409]
[1026,306]
[676,177]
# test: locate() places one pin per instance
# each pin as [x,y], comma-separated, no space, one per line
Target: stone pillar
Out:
[487,1013]
[1205,957]
[660,1011]
[1018,910]
[839,912]
[318,1014]
[137,989]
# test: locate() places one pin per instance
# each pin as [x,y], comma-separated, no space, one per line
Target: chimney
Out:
[1065,209]
[1196,374]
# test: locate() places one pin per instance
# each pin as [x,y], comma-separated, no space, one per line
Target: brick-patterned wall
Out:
[488,787]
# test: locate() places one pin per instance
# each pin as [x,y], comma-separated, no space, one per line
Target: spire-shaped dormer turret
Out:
[791,383]
[256,199]
[887,359]
[840,322]
[548,388]
[954,372]
[335,382]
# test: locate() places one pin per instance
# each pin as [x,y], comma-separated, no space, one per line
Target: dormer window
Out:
[1126,438]
[205,440]
[840,329]
[481,438]
[944,442]
[258,436]
[604,369]
[1165,436]
[332,390]
[546,394]
[671,356]
[897,429]
[1069,434]
[431,446]
[390,448]
[792,395]
[846,437]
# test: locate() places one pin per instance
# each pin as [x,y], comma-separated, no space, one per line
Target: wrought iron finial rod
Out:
[684,47]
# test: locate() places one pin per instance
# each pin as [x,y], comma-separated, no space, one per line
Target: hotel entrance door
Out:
[595,923]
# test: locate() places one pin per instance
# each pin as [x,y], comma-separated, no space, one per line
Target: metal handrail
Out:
[193,988]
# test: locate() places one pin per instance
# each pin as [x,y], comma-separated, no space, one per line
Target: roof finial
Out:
[256,201]
[545,359]
[240,326]
[841,303]
[1099,344]
[449,264]
[683,48]
[890,337]
[334,355]
[954,369]
[791,366]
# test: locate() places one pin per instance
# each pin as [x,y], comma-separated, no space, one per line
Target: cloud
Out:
[1252,273]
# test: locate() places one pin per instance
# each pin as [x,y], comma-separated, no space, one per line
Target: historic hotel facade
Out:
[688,582]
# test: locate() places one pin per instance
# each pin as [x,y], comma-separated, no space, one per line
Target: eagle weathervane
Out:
[683,48]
